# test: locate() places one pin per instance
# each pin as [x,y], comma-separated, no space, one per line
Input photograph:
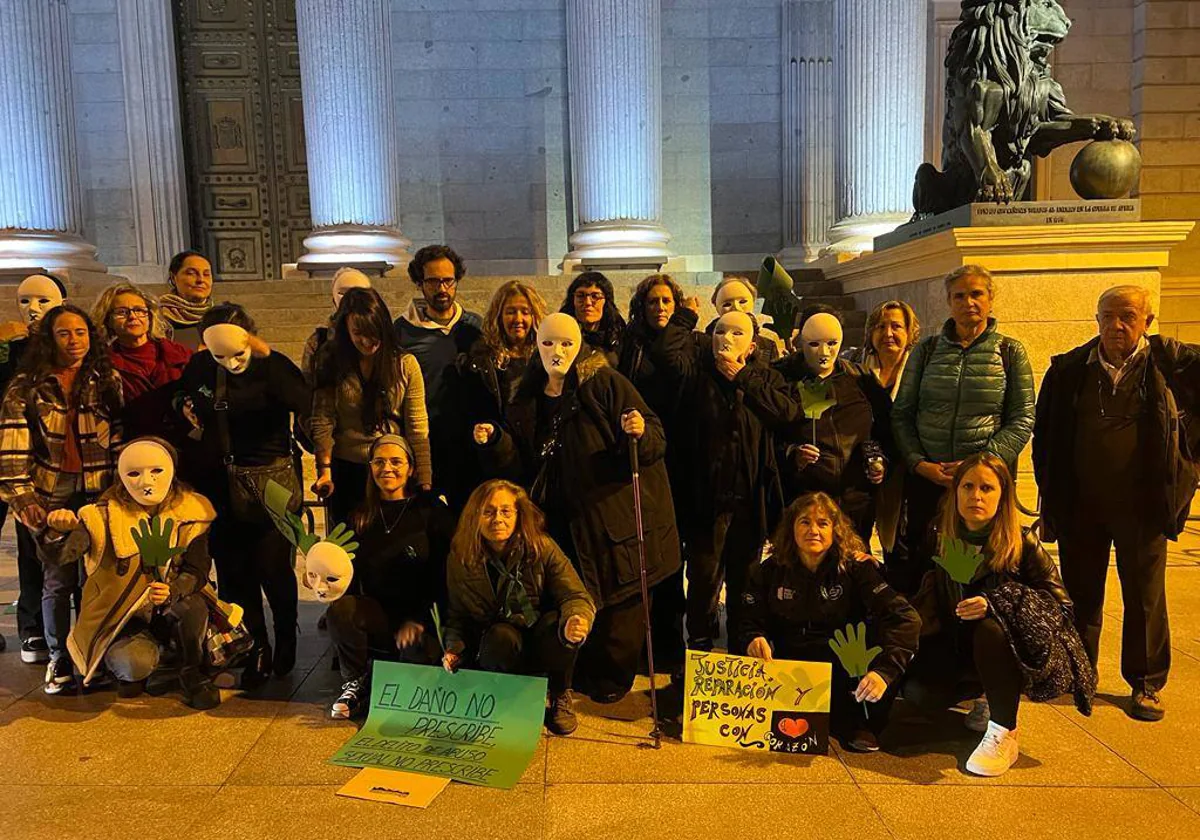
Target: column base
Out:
[32,251]
[331,248]
[856,234]
[795,255]
[619,244]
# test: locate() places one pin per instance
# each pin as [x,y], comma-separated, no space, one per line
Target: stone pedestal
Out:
[40,212]
[614,76]
[879,112]
[349,125]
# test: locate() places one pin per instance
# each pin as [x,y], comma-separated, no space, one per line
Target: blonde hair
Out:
[846,543]
[493,328]
[468,544]
[1004,545]
[971,271]
[102,309]
[910,323]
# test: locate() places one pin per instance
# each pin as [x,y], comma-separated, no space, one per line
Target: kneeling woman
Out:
[964,642]
[818,580]
[399,574]
[516,605]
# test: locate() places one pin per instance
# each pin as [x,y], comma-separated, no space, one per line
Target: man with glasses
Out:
[1113,458]
[435,328]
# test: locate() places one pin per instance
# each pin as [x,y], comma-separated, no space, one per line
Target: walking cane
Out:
[656,732]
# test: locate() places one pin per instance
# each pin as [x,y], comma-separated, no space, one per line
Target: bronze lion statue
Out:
[1003,106]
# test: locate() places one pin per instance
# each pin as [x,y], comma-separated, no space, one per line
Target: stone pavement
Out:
[94,767]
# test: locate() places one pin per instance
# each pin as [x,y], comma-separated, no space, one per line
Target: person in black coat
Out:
[843,452]
[733,499]
[399,575]
[590,300]
[818,580]
[570,426]
[1113,458]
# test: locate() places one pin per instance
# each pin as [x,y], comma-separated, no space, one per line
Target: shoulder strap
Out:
[220,409]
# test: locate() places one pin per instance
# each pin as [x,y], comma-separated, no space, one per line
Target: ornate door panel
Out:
[243,133]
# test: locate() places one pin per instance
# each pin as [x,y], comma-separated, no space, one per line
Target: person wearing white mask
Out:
[344,279]
[733,494]
[242,407]
[735,293]
[569,430]
[843,448]
[144,545]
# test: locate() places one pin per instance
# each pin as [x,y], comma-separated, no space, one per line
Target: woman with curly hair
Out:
[516,604]
[59,433]
[147,361]
[817,581]
[590,300]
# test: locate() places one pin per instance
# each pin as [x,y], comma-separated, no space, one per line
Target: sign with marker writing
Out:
[751,704]
[472,726]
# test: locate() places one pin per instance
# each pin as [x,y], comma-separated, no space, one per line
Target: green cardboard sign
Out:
[472,726]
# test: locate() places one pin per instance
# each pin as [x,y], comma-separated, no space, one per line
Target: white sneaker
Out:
[996,752]
[977,719]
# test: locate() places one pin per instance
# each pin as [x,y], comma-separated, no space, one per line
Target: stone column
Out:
[614,82]
[349,128]
[40,212]
[879,65]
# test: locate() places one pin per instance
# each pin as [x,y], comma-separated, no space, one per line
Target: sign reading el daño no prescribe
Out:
[472,726]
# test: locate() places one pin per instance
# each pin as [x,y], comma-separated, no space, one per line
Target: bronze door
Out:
[243,133]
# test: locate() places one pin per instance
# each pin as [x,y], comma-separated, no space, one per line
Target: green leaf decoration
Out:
[960,559]
[153,539]
[851,649]
[816,397]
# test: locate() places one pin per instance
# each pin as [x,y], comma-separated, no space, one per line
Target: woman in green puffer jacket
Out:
[966,389]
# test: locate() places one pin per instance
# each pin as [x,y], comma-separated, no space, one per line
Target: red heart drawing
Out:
[793,727]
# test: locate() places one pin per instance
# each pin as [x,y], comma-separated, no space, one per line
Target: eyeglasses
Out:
[394,463]
[502,513]
[589,297]
[1120,416]
[439,282]
[124,312]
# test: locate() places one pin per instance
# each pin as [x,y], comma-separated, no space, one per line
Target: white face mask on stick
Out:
[147,472]
[559,340]
[229,345]
[36,296]
[821,341]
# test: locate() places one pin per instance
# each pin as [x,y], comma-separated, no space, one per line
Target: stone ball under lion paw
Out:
[1106,169]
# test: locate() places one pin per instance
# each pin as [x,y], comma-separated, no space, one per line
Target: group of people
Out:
[486,464]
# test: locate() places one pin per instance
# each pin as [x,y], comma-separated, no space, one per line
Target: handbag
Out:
[246,484]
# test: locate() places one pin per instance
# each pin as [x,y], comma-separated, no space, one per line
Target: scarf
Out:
[181,311]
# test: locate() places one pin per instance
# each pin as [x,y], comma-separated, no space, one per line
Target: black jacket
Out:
[483,388]
[1172,388]
[727,437]
[939,593]
[862,413]
[590,499]
[789,605]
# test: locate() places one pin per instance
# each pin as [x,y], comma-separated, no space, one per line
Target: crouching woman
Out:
[515,603]
[144,544]
[799,600]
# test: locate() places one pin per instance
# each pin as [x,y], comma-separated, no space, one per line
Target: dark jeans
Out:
[134,654]
[846,715]
[952,666]
[722,555]
[609,659]
[1083,549]
[921,499]
[508,649]
[253,558]
[361,631]
[30,623]
[60,584]
[350,488]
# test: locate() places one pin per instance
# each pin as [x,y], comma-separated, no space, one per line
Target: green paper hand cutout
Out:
[851,649]
[276,498]
[816,397]
[960,560]
[343,538]
[153,539]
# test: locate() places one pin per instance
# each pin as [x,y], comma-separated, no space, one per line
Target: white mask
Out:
[229,345]
[147,471]
[734,296]
[36,296]
[345,279]
[821,340]
[328,571]
[559,341]
[734,336]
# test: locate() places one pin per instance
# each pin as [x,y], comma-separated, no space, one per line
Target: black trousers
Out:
[722,555]
[846,715]
[508,649]
[361,631]
[253,558]
[922,499]
[29,578]
[1083,550]
[859,508]
[667,606]
[957,664]
[609,659]
[349,490]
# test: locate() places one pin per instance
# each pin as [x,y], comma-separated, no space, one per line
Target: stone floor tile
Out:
[90,812]
[1189,796]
